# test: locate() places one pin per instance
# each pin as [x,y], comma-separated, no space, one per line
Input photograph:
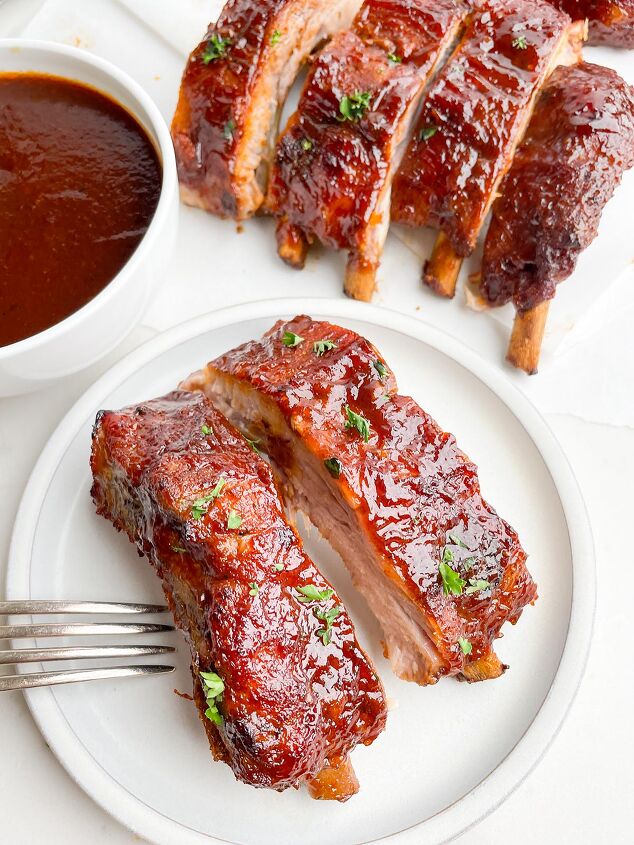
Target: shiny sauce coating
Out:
[79,184]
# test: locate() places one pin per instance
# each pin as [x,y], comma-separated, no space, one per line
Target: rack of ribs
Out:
[471,122]
[333,168]
[386,486]
[578,144]
[282,687]
[611,21]
[232,91]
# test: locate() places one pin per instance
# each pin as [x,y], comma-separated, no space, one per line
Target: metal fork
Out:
[55,629]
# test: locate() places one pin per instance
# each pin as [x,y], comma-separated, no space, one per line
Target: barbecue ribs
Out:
[334,164]
[578,144]
[282,686]
[386,486]
[471,122]
[233,87]
[611,21]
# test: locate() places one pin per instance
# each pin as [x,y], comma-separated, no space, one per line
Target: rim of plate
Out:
[493,790]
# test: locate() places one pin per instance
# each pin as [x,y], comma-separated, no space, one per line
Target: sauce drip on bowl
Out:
[79,184]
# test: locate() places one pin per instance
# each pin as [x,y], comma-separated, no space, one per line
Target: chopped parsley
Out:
[381,369]
[520,42]
[278,567]
[392,57]
[427,132]
[352,107]
[214,687]
[199,506]
[254,588]
[321,346]
[451,581]
[206,430]
[327,617]
[234,520]
[216,48]
[179,549]
[453,538]
[253,445]
[465,645]
[334,466]
[357,421]
[229,129]
[307,144]
[476,585]
[311,593]
[275,37]
[291,339]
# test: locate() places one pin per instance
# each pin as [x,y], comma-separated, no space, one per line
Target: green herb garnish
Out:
[307,144]
[352,107]
[357,421]
[291,339]
[381,369]
[465,645]
[476,585]
[206,430]
[321,346]
[427,132]
[457,541]
[253,445]
[392,57]
[275,37]
[327,617]
[334,466]
[311,593]
[520,42]
[254,588]
[214,687]
[278,566]
[199,506]
[234,520]
[179,549]
[451,581]
[229,129]
[216,48]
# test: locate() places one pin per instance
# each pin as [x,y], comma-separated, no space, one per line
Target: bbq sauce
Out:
[79,184]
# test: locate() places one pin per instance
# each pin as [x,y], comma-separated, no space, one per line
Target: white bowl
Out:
[91,332]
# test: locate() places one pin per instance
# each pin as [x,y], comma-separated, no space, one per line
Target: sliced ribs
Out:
[471,122]
[386,486]
[578,144]
[288,692]
[233,87]
[611,21]
[333,168]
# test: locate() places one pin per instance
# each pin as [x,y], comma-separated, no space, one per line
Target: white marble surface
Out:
[582,790]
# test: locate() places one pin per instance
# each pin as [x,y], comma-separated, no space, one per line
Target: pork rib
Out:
[234,85]
[579,142]
[611,21]
[334,163]
[438,567]
[293,692]
[472,120]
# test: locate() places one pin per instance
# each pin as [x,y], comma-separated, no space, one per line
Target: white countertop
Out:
[582,790]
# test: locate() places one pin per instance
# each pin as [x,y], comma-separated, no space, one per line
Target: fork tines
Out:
[56,629]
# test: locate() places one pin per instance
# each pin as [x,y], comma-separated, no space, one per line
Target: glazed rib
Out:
[234,85]
[611,21]
[578,144]
[298,693]
[403,509]
[334,164]
[471,122]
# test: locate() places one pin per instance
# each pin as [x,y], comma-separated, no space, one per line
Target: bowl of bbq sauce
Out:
[88,210]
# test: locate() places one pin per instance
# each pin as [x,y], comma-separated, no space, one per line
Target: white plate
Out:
[451,753]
